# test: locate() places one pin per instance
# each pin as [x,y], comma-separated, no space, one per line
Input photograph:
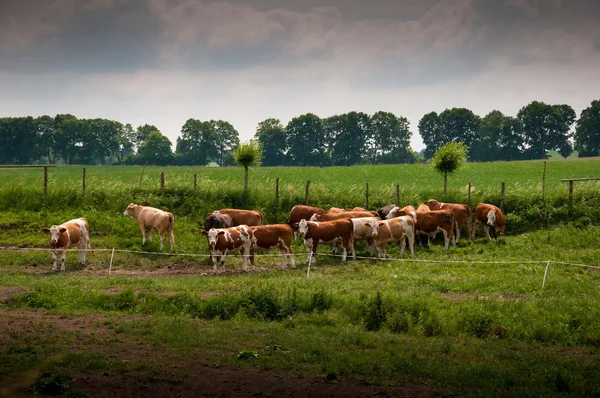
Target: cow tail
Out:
[171,222]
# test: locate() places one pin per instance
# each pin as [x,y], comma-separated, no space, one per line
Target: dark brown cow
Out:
[430,222]
[300,212]
[330,232]
[275,236]
[217,220]
[244,217]
[71,233]
[462,214]
[489,216]
[224,240]
[342,215]
[384,211]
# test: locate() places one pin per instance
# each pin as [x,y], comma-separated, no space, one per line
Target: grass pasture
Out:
[471,321]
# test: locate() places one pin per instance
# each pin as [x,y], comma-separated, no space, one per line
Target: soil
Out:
[186,375]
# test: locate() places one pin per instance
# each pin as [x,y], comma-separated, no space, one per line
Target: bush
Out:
[375,314]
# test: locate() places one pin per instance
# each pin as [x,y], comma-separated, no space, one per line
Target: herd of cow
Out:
[232,230]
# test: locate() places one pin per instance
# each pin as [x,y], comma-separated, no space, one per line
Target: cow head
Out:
[54,232]
[492,222]
[393,213]
[314,217]
[373,226]
[131,210]
[213,236]
[433,204]
[303,227]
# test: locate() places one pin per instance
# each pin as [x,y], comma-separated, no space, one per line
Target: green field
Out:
[471,321]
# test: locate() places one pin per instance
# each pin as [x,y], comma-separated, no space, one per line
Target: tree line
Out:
[307,140]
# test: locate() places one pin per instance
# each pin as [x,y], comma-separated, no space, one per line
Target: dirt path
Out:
[180,374]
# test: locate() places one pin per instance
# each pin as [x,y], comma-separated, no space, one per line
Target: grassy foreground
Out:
[471,321]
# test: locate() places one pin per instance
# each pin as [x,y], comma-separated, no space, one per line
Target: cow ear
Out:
[46,230]
[295,225]
[62,230]
[204,232]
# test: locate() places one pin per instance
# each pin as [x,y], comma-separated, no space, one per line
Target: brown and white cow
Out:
[489,216]
[342,215]
[402,211]
[462,214]
[397,229]
[225,240]
[335,210]
[430,222]
[364,228]
[330,232]
[274,236]
[300,212]
[68,234]
[244,217]
[384,211]
[152,218]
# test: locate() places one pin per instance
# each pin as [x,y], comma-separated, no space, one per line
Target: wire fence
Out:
[310,259]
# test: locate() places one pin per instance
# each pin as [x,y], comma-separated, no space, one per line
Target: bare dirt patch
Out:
[8,292]
[181,374]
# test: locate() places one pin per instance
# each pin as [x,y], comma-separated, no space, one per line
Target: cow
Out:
[462,214]
[397,229]
[489,216]
[68,234]
[341,215]
[402,211]
[243,217]
[224,240]
[217,220]
[359,209]
[300,212]
[327,232]
[384,211]
[335,210]
[150,217]
[274,236]
[430,222]
[364,228]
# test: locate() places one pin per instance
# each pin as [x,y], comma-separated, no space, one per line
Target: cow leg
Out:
[313,250]
[411,243]
[446,239]
[214,258]
[172,239]
[474,229]
[487,231]
[150,234]
[351,243]
[457,236]
[162,239]
[402,246]
[82,254]
[143,229]
[62,260]
[54,256]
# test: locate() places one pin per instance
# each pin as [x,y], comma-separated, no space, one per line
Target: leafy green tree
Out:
[197,143]
[448,159]
[156,149]
[46,133]
[248,155]
[228,139]
[305,139]
[431,130]
[141,133]
[499,138]
[460,125]
[587,133]
[125,143]
[19,135]
[272,136]
[389,141]
[69,133]
[546,127]
[346,137]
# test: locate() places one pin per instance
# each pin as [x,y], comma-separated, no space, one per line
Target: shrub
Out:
[375,314]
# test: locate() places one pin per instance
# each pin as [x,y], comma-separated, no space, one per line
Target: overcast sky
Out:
[164,61]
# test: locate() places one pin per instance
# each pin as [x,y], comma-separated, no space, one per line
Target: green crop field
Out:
[471,321]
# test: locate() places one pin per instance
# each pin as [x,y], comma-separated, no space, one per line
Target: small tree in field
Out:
[248,155]
[448,159]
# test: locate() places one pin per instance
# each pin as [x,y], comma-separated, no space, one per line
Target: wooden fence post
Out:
[367,196]
[469,200]
[306,192]
[502,197]
[162,183]
[83,182]
[398,195]
[277,191]
[195,183]
[571,193]
[45,181]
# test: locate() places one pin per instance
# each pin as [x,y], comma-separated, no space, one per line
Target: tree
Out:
[197,142]
[125,143]
[499,138]
[248,155]
[432,133]
[448,159]
[460,125]
[587,133]
[156,149]
[546,127]
[346,137]
[305,139]
[271,134]
[46,133]
[228,139]
[141,133]
[389,141]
